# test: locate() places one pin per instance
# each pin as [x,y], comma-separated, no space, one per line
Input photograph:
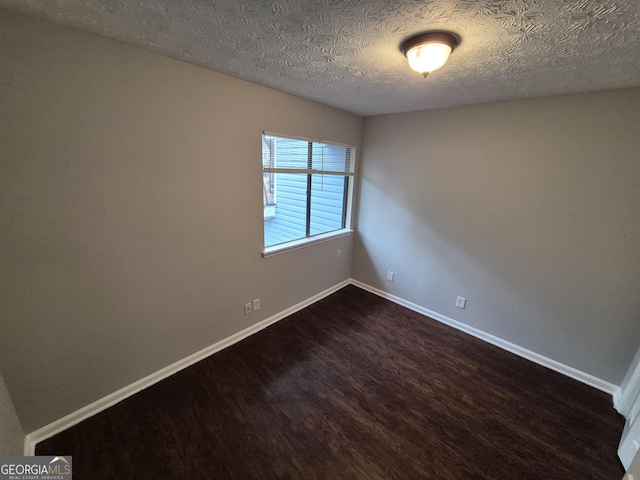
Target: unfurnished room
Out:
[320,239]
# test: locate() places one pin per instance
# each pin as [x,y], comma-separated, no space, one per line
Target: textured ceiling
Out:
[345,53]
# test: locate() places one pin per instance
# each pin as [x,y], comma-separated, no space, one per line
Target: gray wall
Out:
[11,434]
[132,213]
[529,209]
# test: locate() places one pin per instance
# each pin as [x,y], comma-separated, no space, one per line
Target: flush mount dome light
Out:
[428,51]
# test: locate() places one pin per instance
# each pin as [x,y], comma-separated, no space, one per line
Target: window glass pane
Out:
[289,220]
[285,153]
[327,203]
[268,179]
[330,158]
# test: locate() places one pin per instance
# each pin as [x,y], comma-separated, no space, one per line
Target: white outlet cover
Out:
[390,276]
[461,302]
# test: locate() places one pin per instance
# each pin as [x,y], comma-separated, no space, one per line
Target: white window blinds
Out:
[293,155]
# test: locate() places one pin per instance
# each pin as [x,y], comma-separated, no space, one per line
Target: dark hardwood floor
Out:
[353,387]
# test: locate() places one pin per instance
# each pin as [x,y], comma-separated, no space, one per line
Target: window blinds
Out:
[292,155]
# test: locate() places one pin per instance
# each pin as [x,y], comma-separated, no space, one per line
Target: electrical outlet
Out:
[247,308]
[461,302]
[256,304]
[390,276]
[339,253]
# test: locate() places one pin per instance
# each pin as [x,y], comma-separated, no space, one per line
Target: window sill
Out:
[304,242]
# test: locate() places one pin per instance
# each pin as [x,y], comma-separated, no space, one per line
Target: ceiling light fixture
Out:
[429,51]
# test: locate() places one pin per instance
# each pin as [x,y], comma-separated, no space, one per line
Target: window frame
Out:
[350,183]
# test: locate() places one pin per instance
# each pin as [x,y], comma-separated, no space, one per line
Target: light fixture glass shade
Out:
[429,51]
[428,57]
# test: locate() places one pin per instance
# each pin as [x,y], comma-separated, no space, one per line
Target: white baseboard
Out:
[574,373]
[33,438]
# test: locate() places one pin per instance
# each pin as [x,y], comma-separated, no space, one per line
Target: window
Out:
[306,189]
